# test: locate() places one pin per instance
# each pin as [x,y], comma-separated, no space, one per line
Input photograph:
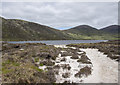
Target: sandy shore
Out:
[75,67]
[105,70]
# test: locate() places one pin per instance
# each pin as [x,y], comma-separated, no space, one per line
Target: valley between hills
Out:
[20,30]
[53,64]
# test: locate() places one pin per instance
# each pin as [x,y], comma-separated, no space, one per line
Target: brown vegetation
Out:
[84,71]
[19,63]
[110,48]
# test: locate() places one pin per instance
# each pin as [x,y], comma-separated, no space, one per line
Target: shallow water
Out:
[59,42]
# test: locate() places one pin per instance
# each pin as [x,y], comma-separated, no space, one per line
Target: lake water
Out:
[59,42]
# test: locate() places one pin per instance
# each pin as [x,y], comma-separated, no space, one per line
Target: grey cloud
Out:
[63,14]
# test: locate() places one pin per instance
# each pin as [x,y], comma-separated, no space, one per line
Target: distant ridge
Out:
[21,30]
[83,30]
[113,29]
[88,32]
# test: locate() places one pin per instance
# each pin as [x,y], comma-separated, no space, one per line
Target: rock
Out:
[65,54]
[75,57]
[21,49]
[82,53]
[66,82]
[47,62]
[17,46]
[56,67]
[51,75]
[56,71]
[66,75]
[63,59]
[84,59]
[66,66]
[43,54]
[84,71]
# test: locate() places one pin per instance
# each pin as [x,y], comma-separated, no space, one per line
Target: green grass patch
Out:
[36,59]
[5,71]
[41,64]
[16,64]
[6,62]
[10,62]
[36,68]
[46,47]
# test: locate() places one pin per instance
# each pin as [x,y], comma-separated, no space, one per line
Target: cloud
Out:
[60,1]
[62,15]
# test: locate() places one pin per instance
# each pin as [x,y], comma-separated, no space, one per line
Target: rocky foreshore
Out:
[36,63]
[41,63]
[110,48]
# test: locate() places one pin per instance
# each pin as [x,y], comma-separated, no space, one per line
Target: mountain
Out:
[83,30]
[13,29]
[113,29]
[20,30]
[88,32]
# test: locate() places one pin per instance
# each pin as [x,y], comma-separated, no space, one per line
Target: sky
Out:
[63,15]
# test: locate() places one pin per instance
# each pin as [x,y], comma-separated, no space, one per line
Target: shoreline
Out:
[57,42]
[81,65]
[104,70]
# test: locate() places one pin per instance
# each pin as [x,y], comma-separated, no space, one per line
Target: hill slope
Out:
[83,30]
[14,29]
[23,30]
[113,29]
[88,32]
